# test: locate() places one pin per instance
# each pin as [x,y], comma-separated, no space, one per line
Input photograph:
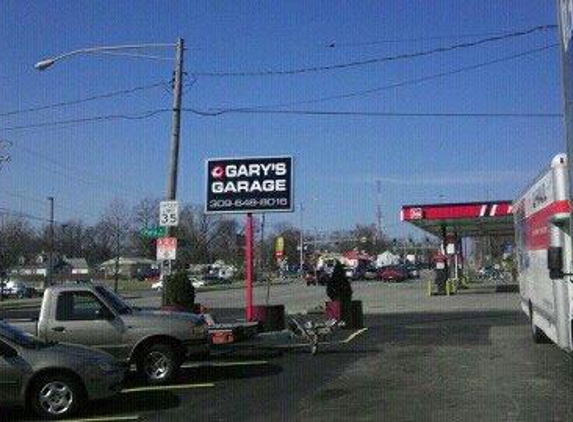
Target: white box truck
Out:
[544,256]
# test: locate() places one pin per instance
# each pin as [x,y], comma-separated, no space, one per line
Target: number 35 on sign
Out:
[168,213]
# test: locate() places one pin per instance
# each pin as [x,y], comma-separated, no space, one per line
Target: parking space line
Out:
[107,419]
[168,387]
[224,364]
[354,335]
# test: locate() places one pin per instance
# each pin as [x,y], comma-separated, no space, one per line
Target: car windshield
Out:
[19,337]
[116,302]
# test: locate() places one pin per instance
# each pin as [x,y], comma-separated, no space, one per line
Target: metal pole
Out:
[175,132]
[50,268]
[176,124]
[301,255]
[2,270]
[117,247]
[249,267]
[379,210]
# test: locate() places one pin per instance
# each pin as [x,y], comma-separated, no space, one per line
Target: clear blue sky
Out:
[337,158]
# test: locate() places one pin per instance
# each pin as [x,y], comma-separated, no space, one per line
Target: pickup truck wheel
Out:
[56,396]
[159,364]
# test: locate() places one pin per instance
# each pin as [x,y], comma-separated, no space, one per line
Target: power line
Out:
[400,84]
[335,44]
[369,113]
[96,180]
[43,202]
[82,100]
[136,116]
[377,60]
[12,213]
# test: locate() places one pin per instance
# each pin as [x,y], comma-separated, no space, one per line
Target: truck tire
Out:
[56,396]
[537,335]
[159,363]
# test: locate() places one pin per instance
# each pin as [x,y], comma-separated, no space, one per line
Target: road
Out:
[467,357]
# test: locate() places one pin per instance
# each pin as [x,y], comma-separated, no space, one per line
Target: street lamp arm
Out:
[44,64]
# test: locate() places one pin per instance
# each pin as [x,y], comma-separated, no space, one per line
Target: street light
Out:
[133,51]
[113,50]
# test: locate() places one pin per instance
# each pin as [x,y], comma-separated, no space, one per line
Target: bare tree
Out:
[17,240]
[145,214]
[116,226]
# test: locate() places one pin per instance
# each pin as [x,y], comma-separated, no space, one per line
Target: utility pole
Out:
[2,261]
[175,132]
[379,210]
[263,246]
[175,125]
[50,268]
[117,252]
[301,255]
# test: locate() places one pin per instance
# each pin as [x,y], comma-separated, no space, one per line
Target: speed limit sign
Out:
[168,213]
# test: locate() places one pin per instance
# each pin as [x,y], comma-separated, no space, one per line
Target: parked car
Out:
[412,270]
[370,273]
[213,279]
[392,273]
[148,274]
[17,289]
[355,273]
[53,379]
[157,342]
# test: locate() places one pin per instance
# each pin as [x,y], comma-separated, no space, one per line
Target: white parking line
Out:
[224,364]
[354,335]
[107,419]
[168,387]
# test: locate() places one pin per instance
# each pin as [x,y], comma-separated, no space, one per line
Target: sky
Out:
[337,158]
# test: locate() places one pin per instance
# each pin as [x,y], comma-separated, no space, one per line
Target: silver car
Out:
[53,379]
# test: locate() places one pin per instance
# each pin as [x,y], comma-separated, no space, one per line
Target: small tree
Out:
[179,291]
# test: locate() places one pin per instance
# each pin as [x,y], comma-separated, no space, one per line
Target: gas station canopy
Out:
[470,219]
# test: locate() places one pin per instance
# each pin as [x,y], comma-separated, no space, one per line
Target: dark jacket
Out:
[338,286]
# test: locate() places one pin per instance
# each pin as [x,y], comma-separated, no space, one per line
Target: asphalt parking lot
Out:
[467,357]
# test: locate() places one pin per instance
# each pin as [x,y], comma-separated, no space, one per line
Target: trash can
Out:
[349,312]
[269,317]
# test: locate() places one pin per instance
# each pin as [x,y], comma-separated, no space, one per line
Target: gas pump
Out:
[438,286]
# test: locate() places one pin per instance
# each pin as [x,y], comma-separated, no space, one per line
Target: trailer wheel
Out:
[537,335]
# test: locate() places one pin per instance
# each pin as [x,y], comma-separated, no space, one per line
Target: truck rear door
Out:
[82,318]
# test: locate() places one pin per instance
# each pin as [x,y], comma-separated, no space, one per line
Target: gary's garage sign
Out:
[244,185]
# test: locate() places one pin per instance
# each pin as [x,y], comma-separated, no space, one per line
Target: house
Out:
[30,270]
[387,258]
[129,267]
[355,258]
[76,266]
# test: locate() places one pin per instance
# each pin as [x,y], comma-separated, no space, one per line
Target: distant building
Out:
[387,258]
[356,258]
[128,267]
[76,266]
[30,270]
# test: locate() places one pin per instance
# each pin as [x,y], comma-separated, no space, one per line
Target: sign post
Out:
[246,186]
[249,267]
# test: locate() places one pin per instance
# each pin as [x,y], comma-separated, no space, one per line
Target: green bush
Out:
[179,291]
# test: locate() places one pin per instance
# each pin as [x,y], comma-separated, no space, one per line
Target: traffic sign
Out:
[169,213]
[166,248]
[153,232]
